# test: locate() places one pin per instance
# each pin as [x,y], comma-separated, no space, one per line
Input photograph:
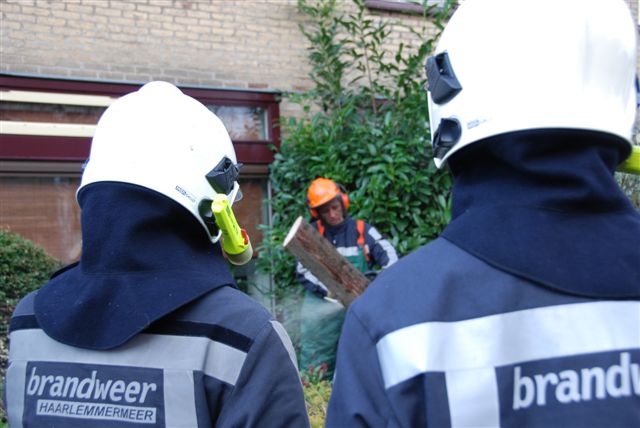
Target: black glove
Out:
[371,274]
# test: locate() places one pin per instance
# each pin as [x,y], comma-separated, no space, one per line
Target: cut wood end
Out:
[292,231]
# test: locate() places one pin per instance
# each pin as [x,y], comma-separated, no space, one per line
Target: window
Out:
[243,123]
[52,120]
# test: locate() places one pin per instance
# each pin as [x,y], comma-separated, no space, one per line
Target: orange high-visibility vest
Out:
[360,242]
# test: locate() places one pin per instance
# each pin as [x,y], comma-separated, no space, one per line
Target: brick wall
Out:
[251,44]
[226,43]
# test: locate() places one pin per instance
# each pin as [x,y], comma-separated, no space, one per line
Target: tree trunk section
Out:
[321,258]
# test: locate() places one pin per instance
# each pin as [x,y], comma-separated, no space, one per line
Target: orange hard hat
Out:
[323,190]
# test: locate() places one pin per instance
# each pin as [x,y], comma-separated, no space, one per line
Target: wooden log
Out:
[321,258]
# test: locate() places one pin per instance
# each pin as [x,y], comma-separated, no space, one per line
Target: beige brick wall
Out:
[223,43]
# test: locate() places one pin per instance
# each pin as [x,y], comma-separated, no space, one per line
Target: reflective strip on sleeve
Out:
[385,245]
[306,274]
[373,232]
[391,252]
[286,341]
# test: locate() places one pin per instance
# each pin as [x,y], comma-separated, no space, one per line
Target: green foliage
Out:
[24,267]
[317,390]
[630,184]
[365,125]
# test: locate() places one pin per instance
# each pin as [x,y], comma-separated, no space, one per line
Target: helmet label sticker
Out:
[476,122]
[186,194]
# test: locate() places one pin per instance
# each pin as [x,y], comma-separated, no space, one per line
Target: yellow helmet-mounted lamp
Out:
[632,164]
[235,241]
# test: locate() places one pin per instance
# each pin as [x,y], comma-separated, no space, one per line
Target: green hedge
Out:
[364,124]
[630,184]
[24,267]
[317,390]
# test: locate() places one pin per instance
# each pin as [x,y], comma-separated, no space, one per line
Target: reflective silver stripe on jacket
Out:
[469,351]
[385,245]
[177,356]
[309,276]
[286,341]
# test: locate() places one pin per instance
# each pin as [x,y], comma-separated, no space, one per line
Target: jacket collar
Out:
[545,205]
[143,256]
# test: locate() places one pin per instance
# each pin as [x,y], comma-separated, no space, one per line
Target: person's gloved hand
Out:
[319,291]
[371,274]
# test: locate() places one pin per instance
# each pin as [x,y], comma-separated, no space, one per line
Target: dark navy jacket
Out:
[525,312]
[345,238]
[148,329]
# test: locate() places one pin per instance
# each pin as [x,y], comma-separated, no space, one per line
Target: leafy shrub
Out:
[317,390]
[24,267]
[365,125]
[630,184]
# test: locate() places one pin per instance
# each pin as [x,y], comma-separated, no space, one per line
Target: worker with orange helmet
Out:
[358,242]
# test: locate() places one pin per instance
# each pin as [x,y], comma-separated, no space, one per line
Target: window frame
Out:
[400,6]
[65,154]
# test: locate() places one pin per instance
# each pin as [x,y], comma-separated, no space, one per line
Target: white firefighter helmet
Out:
[504,65]
[166,141]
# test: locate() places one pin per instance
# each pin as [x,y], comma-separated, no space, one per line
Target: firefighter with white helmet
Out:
[148,327]
[526,311]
